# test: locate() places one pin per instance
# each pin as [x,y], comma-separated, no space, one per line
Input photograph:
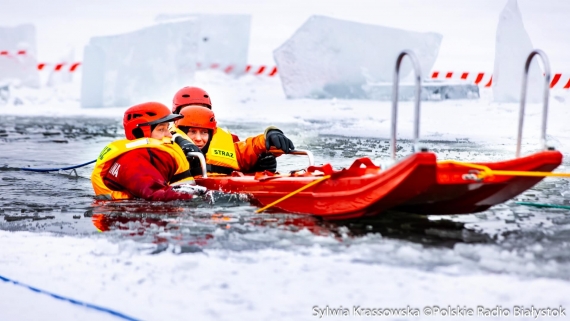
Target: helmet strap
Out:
[138,132]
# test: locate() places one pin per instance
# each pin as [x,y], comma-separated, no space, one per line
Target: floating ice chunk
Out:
[329,57]
[148,64]
[19,69]
[512,48]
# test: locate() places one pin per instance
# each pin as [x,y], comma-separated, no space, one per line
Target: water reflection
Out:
[205,223]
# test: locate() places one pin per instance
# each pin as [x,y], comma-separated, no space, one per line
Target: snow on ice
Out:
[274,284]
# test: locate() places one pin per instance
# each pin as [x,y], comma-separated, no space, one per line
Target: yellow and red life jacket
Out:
[117,148]
[221,156]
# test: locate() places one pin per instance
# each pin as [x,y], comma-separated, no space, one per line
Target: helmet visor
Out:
[166,119]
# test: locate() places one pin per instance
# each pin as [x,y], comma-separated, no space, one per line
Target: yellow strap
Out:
[293,193]
[487,172]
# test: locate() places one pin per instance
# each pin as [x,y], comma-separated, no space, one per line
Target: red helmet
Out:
[197,116]
[190,96]
[139,119]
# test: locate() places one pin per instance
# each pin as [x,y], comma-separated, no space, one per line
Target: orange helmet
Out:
[139,120]
[197,116]
[190,96]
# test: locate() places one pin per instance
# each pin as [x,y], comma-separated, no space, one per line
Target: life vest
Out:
[221,156]
[117,148]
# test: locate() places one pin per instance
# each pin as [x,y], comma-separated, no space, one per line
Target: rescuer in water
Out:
[194,96]
[223,155]
[148,164]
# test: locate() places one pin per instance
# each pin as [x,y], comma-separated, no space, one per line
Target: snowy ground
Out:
[294,271]
[269,284]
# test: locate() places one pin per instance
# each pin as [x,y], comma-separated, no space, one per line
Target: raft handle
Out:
[202,162]
[309,154]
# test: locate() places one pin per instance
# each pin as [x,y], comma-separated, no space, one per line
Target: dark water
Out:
[63,202]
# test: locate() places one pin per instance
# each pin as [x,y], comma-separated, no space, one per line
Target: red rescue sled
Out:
[455,192]
[361,190]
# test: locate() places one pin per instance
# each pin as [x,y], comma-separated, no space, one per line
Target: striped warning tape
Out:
[71,67]
[477,78]
[12,53]
[249,69]
[486,79]
[230,69]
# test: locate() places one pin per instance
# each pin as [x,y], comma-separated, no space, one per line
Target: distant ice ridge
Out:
[126,69]
[328,57]
[513,45]
[153,63]
[19,69]
[223,39]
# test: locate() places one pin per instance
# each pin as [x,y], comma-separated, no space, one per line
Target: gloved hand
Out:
[275,137]
[265,162]
[185,144]
[190,189]
[187,147]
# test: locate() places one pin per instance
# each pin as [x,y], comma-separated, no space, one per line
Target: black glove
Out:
[265,162]
[275,137]
[195,166]
[187,147]
[185,144]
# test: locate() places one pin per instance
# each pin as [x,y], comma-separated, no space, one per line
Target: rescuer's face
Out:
[161,131]
[199,136]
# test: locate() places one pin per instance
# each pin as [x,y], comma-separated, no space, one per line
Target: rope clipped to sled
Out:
[355,169]
[293,193]
[485,171]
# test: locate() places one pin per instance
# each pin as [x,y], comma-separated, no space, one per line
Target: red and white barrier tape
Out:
[486,79]
[12,53]
[70,67]
[249,69]
[477,78]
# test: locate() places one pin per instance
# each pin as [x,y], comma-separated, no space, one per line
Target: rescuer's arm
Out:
[275,137]
[138,175]
[249,151]
[188,146]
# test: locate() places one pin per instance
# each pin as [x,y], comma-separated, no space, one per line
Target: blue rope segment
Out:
[544,205]
[73,301]
[44,170]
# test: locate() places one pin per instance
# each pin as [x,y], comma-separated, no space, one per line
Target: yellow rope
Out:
[293,193]
[487,172]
